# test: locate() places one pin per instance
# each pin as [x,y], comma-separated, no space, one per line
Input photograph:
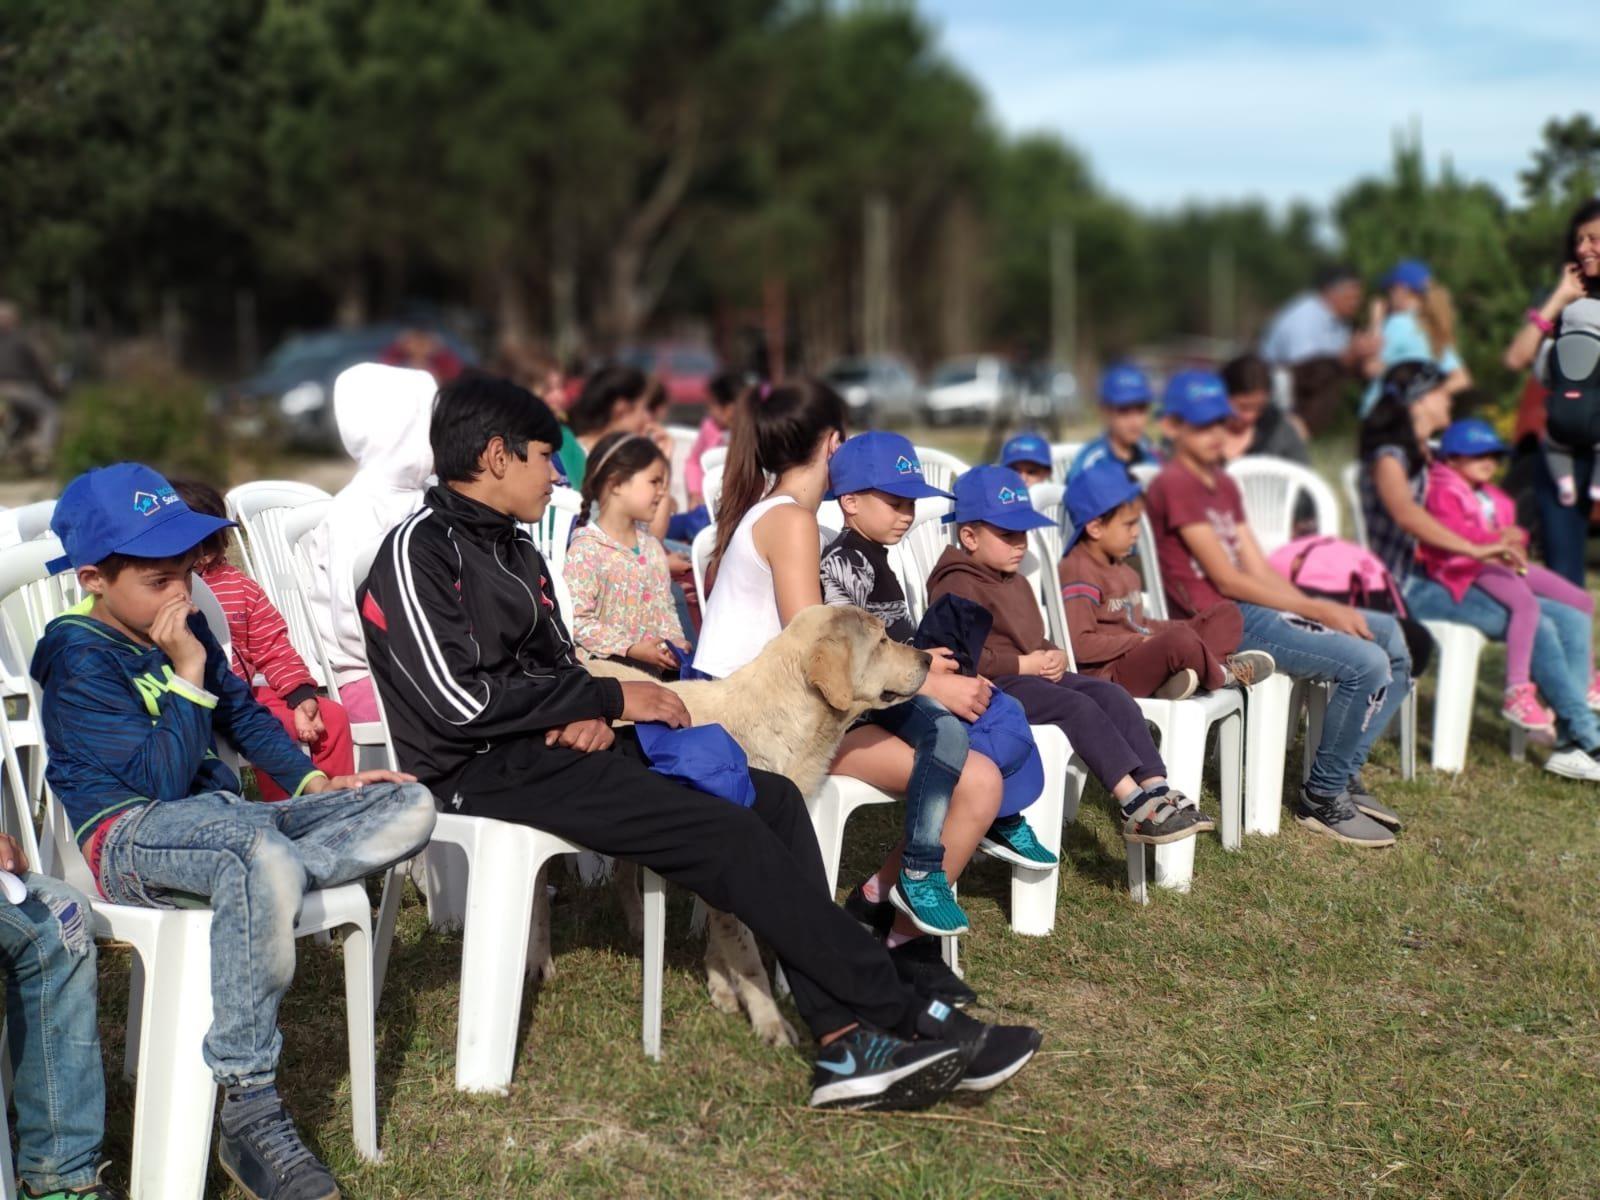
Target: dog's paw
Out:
[723,996]
[774,1030]
[541,970]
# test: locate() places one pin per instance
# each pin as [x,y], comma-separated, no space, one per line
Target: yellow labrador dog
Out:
[788,709]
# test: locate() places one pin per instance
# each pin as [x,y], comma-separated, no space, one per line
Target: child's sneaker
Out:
[1336,817]
[1249,667]
[98,1190]
[876,916]
[261,1151]
[1522,708]
[1011,839]
[868,1068]
[1594,691]
[1367,803]
[929,903]
[1180,687]
[1156,818]
[920,963]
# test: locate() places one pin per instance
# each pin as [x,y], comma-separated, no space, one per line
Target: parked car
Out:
[968,389]
[684,367]
[879,388]
[291,394]
[1050,393]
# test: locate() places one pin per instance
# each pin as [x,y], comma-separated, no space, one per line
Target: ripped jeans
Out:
[1370,680]
[47,950]
[939,739]
[253,863]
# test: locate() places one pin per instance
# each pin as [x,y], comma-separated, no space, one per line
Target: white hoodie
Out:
[383,415]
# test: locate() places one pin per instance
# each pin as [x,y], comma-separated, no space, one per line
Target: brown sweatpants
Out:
[1199,643]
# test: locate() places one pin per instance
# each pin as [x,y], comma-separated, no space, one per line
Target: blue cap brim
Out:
[907,489]
[174,536]
[1023,458]
[1126,402]
[1205,417]
[1017,522]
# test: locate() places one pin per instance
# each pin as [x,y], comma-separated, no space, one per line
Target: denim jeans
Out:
[1370,679]
[939,740]
[253,863]
[1563,655]
[1564,528]
[47,947]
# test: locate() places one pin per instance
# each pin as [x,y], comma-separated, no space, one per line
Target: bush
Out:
[154,414]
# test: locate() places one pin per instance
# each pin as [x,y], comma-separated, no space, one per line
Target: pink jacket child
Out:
[1479,514]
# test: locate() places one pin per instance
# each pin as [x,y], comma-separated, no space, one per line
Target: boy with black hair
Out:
[1207,553]
[135,690]
[488,704]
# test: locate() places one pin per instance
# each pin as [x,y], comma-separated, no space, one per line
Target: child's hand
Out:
[1054,665]
[964,695]
[643,701]
[1341,618]
[583,736]
[354,783]
[308,727]
[11,856]
[1571,286]
[171,633]
[942,661]
[654,652]
[678,563]
[1033,664]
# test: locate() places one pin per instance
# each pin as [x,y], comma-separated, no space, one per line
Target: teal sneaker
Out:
[1010,839]
[929,903]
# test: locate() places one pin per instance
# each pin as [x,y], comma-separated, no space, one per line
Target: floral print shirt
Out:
[620,594]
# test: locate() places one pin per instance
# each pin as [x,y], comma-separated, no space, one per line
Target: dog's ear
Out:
[828,670]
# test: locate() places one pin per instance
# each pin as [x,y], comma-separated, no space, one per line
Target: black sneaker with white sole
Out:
[1337,818]
[995,1052]
[920,963]
[261,1150]
[1366,802]
[868,1068]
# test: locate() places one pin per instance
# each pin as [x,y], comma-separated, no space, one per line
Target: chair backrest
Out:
[939,467]
[1350,478]
[275,517]
[1149,567]
[1053,606]
[683,437]
[1272,488]
[700,557]
[1061,456]
[1049,499]
[360,568]
[33,520]
[257,508]
[552,535]
[714,456]
[711,486]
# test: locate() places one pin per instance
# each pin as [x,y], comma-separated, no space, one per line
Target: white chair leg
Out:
[1408,734]
[655,941]
[1265,746]
[1183,746]
[1459,647]
[1519,745]
[828,816]
[1230,778]
[1138,872]
[359,990]
[175,1098]
[1033,892]
[394,883]
[1316,713]
[494,958]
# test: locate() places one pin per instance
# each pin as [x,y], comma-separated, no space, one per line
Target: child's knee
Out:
[980,783]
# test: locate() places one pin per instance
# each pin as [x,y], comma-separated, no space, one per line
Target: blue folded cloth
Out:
[705,757]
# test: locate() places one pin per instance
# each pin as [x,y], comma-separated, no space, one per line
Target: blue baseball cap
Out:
[1025,447]
[1103,488]
[996,496]
[1408,272]
[1470,438]
[125,509]
[879,462]
[1196,398]
[1123,386]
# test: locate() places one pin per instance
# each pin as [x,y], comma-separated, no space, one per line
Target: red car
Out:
[684,367]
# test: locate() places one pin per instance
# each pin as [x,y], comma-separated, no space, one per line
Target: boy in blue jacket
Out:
[135,687]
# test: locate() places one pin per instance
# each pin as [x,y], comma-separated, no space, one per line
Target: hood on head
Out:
[383,415]
[955,561]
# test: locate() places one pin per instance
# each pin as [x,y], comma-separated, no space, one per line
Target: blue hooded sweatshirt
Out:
[122,728]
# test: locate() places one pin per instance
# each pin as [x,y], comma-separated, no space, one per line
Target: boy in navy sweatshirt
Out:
[135,687]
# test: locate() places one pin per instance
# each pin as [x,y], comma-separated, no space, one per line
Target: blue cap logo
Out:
[1007,496]
[907,466]
[144,503]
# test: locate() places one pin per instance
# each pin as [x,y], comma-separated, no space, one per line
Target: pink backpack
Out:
[1332,567]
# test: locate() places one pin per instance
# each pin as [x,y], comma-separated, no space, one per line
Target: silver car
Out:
[879,388]
[969,389]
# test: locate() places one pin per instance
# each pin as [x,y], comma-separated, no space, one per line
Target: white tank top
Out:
[741,615]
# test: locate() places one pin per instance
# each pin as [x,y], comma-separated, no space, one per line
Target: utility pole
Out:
[1224,315]
[876,285]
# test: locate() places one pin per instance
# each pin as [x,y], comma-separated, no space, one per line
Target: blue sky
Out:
[1173,100]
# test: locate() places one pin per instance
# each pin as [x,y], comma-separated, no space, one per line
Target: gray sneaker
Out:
[1336,817]
[261,1150]
[1366,802]
[1179,687]
[1250,666]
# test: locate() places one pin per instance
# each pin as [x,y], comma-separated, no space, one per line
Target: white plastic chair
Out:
[1050,500]
[940,468]
[480,876]
[551,536]
[683,437]
[715,456]
[1272,488]
[257,507]
[175,1095]
[1459,648]
[1061,456]
[711,486]
[1182,726]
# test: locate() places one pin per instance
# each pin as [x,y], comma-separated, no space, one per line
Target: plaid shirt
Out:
[1396,548]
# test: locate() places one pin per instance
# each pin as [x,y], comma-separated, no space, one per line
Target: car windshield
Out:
[952,373]
[305,351]
[848,373]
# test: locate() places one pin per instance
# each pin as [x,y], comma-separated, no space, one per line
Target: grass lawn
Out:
[1312,1020]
